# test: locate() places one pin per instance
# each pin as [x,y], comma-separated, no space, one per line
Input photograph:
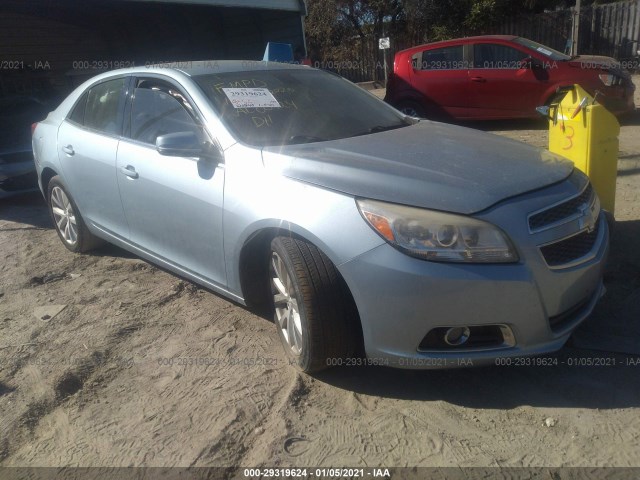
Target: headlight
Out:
[438,236]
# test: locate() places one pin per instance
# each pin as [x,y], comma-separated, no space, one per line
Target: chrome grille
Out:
[562,212]
[570,249]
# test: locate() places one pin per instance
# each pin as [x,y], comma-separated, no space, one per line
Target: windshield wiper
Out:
[295,139]
[381,128]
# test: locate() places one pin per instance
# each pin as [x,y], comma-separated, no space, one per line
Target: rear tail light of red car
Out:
[610,80]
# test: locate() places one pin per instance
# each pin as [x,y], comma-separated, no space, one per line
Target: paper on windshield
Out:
[544,50]
[251,98]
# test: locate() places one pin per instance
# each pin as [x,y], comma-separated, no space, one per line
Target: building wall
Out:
[52,46]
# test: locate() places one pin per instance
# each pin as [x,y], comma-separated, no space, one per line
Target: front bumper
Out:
[400,299]
[619,100]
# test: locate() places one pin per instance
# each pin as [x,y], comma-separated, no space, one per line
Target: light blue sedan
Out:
[372,237]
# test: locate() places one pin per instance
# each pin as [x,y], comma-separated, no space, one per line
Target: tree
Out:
[370,16]
[348,30]
[321,28]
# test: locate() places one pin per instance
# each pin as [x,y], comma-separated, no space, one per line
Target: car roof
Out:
[208,67]
[188,68]
[461,41]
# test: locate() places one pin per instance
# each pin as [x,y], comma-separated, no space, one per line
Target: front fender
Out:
[259,198]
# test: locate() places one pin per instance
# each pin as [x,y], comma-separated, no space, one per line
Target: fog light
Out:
[457,336]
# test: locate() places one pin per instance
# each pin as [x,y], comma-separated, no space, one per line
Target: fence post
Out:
[636,30]
[575,29]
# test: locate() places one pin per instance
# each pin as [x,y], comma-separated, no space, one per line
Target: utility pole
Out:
[384,53]
[575,34]
[384,43]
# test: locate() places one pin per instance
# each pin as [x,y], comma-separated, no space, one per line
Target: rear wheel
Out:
[67,219]
[312,309]
[411,108]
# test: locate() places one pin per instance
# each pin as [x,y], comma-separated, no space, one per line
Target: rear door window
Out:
[105,107]
[446,58]
[77,114]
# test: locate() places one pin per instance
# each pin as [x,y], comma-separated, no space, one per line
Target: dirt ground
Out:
[106,360]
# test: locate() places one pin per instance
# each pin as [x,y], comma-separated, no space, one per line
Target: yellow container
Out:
[587,134]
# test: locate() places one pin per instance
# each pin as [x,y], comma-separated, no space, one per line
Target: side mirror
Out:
[180,144]
[549,112]
[545,111]
[529,63]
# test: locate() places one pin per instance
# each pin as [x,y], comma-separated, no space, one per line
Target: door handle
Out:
[479,79]
[68,150]
[129,171]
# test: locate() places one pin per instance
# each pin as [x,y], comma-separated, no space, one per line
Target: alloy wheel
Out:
[64,216]
[286,305]
[411,111]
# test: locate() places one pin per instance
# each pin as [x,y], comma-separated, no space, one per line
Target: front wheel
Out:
[313,311]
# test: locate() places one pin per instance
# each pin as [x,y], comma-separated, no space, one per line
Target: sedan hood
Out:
[430,165]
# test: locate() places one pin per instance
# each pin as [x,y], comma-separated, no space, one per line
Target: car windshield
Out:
[544,50]
[293,106]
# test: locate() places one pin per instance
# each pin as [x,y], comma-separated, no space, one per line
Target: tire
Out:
[313,311]
[67,220]
[411,108]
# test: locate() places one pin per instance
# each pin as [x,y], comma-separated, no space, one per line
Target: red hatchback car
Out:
[498,77]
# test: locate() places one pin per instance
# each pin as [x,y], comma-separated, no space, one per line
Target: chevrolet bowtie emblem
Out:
[588,217]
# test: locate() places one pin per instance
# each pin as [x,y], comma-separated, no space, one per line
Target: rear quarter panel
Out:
[45,149]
